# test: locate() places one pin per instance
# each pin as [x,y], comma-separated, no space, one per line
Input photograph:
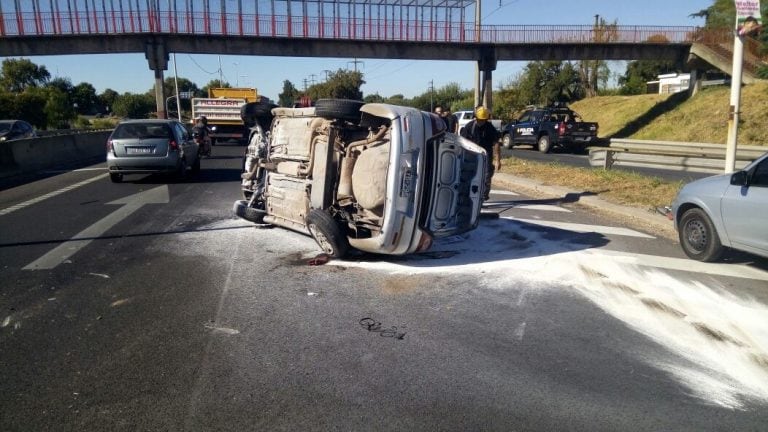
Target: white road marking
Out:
[20,206]
[684,264]
[130,204]
[543,207]
[584,228]
[503,192]
[75,170]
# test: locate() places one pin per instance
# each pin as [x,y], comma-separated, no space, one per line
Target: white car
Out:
[375,177]
[724,211]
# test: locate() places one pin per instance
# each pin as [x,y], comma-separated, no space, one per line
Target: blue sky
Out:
[130,72]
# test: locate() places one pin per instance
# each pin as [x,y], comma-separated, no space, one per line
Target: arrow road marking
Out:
[130,204]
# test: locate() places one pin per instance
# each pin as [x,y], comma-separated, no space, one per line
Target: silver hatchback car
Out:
[724,211]
[151,146]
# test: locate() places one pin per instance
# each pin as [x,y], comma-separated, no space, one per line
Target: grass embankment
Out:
[703,118]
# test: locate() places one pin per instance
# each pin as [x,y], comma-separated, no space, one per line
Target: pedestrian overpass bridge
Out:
[391,29]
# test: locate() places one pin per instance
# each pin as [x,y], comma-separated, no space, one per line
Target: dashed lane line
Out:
[36,200]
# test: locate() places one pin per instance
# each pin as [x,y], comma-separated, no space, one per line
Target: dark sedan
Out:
[15,129]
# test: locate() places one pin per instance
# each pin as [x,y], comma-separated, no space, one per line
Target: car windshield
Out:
[5,127]
[142,131]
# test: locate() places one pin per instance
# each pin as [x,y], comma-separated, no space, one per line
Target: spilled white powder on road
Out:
[722,340]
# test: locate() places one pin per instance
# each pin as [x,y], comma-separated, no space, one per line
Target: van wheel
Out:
[116,177]
[328,233]
[344,109]
[251,214]
[506,141]
[698,237]
[545,145]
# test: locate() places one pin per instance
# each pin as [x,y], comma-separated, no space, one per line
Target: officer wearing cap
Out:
[483,133]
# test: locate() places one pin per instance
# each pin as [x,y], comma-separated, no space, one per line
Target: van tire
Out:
[328,233]
[506,141]
[544,144]
[344,109]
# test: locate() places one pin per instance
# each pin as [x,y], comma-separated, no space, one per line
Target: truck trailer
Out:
[222,109]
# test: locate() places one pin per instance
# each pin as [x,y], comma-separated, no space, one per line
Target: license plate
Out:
[405,187]
[140,150]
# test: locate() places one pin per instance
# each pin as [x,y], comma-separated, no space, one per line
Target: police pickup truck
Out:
[549,127]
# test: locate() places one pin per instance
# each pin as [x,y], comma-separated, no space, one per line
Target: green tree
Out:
[59,111]
[212,84]
[84,95]
[20,74]
[132,105]
[185,85]
[373,98]
[289,94]
[342,84]
[594,73]
[543,83]
[107,99]
[639,72]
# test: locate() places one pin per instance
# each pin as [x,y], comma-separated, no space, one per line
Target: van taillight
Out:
[561,128]
[110,147]
[173,145]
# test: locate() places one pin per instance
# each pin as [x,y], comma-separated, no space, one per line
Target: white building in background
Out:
[670,83]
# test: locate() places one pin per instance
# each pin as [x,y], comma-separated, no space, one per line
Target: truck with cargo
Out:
[222,109]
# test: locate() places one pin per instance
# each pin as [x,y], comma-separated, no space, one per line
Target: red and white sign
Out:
[748,18]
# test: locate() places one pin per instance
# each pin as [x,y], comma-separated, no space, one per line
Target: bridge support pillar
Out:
[157,56]
[484,77]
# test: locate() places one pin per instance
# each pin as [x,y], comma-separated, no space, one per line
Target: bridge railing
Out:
[109,22]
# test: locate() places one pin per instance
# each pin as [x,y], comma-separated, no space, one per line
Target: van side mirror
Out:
[740,178]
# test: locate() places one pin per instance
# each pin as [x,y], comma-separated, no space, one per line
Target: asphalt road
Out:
[147,306]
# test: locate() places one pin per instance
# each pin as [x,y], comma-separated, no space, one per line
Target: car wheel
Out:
[506,141]
[344,109]
[698,237]
[253,111]
[243,210]
[116,178]
[328,233]
[545,145]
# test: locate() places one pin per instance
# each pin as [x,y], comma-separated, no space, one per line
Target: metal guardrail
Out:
[670,155]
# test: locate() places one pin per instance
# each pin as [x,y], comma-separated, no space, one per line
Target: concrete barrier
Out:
[35,154]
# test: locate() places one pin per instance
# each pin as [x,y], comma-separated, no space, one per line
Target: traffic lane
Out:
[263,267]
[582,161]
[454,350]
[743,274]
[120,325]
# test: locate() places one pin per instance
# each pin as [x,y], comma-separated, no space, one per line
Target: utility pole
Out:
[312,79]
[327,71]
[431,95]
[735,102]
[355,62]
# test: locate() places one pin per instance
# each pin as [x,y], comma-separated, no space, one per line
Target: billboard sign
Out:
[748,18]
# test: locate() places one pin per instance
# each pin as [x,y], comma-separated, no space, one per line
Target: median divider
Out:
[34,154]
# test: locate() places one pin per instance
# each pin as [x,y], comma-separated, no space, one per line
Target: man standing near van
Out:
[483,133]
